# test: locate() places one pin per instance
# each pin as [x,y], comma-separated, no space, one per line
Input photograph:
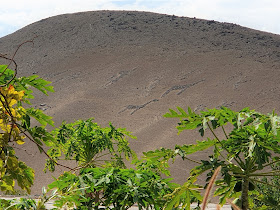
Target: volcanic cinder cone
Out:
[131,67]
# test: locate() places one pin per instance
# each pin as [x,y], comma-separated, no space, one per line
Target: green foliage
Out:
[185,150]
[157,161]
[243,152]
[184,195]
[35,81]
[39,115]
[86,143]
[15,126]
[27,203]
[6,75]
[5,203]
[267,195]
[112,188]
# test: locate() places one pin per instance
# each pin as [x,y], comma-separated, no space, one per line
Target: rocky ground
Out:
[130,67]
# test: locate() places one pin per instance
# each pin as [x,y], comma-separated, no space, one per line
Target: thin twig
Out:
[19,46]
[2,73]
[44,151]
[13,61]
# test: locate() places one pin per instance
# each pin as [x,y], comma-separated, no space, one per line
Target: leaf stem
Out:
[214,134]
[266,183]
[276,161]
[270,173]
[195,161]
[224,132]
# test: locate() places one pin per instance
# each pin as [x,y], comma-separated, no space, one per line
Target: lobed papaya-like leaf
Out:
[157,160]
[188,149]
[90,145]
[184,195]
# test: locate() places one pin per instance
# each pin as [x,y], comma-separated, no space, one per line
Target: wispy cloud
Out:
[258,14]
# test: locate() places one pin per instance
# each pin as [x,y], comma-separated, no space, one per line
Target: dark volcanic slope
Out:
[130,67]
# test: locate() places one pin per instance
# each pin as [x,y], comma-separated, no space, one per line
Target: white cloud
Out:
[258,14]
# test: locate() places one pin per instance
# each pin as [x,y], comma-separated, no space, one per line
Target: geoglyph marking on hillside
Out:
[152,85]
[202,107]
[225,104]
[119,76]
[181,87]
[137,107]
[190,73]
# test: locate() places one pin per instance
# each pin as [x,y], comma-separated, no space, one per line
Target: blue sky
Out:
[262,15]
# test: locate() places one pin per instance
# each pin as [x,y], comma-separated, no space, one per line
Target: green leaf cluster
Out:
[244,143]
[112,188]
[183,196]
[157,161]
[90,145]
[15,123]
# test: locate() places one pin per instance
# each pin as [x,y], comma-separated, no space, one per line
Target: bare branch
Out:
[13,61]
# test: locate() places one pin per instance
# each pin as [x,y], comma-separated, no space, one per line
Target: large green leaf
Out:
[184,195]
[40,116]
[188,149]
[88,143]
[36,82]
